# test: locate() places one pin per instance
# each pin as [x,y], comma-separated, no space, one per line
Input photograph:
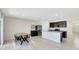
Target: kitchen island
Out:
[55,36]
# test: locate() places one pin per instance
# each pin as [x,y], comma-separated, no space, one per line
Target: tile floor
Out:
[38,43]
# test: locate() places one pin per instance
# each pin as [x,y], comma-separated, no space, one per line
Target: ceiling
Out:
[41,13]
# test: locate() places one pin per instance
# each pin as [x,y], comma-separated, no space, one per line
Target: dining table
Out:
[23,37]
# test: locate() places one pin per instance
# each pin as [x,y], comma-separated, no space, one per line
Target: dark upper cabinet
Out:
[58,24]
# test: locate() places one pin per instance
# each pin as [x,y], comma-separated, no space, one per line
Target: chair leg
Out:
[21,42]
[27,41]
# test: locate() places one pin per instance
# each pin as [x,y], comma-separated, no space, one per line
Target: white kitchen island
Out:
[52,35]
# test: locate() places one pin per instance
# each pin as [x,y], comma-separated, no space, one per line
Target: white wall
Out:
[14,25]
[76,26]
[0,31]
[45,25]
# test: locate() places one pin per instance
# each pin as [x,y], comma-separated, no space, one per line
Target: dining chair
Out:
[22,38]
[26,38]
[18,38]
